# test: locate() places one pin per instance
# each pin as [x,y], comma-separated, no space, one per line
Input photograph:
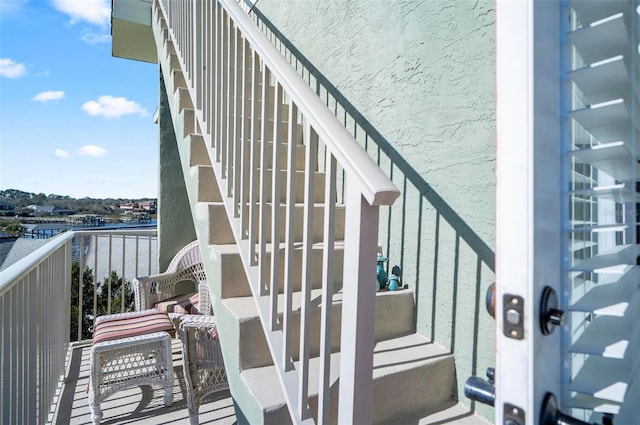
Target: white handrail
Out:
[376,187]
[12,274]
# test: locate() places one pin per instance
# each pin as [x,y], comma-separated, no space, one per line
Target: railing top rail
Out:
[376,187]
[127,232]
[14,272]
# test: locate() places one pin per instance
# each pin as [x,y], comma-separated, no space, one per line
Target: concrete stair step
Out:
[207,187]
[450,413]
[410,374]
[318,193]
[284,152]
[198,153]
[220,232]
[229,270]
[393,317]
[284,132]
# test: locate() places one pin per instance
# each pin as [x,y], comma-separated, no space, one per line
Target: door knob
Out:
[551,414]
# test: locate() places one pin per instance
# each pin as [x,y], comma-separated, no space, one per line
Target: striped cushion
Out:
[181,304]
[109,330]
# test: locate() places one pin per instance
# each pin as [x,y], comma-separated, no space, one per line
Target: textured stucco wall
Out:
[175,227]
[422,72]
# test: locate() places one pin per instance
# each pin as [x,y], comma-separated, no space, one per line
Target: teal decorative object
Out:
[393,283]
[381,274]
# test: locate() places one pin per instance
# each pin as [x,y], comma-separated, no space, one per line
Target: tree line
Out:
[19,199]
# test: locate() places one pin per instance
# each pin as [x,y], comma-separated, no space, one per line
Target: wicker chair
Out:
[159,291]
[203,364]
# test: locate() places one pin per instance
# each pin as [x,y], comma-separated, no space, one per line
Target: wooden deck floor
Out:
[140,405]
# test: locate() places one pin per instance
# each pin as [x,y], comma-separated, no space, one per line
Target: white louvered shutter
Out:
[568,209]
[603,271]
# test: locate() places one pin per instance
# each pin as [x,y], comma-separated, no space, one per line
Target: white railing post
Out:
[358,333]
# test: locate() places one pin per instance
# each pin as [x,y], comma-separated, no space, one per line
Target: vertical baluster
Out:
[289,236]
[227,143]
[233,104]
[246,153]
[24,349]
[188,40]
[264,118]
[253,186]
[138,255]
[5,360]
[357,335]
[109,275]
[240,125]
[220,79]
[311,139]
[80,286]
[44,310]
[205,70]
[328,257]
[176,19]
[149,257]
[95,278]
[194,27]
[214,75]
[124,241]
[201,33]
[224,92]
[275,204]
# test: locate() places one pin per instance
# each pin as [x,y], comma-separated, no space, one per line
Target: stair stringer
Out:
[227,325]
[185,127]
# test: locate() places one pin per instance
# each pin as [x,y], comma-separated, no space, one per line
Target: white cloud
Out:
[47,96]
[113,107]
[91,150]
[96,12]
[11,69]
[61,153]
[90,37]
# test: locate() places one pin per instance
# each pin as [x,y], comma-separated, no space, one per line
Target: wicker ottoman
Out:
[129,350]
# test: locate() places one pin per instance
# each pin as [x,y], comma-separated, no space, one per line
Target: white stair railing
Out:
[249,102]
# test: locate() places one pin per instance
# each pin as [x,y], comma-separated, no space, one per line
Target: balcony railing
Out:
[36,311]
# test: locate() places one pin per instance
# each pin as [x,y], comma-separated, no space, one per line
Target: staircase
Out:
[285,204]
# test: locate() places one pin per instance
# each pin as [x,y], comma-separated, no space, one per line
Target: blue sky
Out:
[73,119]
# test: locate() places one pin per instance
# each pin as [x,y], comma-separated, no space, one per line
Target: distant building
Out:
[6,208]
[148,206]
[142,206]
[49,210]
